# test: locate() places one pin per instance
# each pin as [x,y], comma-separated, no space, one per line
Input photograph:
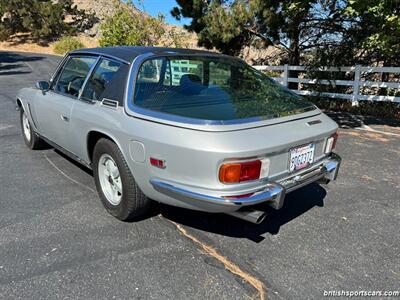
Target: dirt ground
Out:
[21,43]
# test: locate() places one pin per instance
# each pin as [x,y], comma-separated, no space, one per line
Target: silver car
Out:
[188,128]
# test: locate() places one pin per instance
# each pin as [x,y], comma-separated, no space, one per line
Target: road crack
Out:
[229,265]
[66,176]
[209,250]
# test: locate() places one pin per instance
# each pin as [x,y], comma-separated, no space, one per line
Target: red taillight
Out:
[238,172]
[331,143]
[250,170]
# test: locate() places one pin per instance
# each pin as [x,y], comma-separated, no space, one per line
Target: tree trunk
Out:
[384,78]
[294,58]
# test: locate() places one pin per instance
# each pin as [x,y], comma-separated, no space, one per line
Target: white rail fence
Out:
[356,84]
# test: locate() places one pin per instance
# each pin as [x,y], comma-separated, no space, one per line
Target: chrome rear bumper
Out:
[273,192]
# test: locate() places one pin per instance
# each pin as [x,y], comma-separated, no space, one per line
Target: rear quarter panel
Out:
[193,157]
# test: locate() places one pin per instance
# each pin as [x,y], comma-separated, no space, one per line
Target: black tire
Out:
[33,142]
[133,203]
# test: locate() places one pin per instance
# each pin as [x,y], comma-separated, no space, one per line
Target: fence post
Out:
[356,85]
[285,75]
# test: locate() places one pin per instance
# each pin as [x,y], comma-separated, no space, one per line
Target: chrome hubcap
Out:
[110,180]
[26,127]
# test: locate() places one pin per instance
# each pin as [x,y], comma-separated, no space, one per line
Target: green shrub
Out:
[67,44]
[42,20]
[124,29]
[378,109]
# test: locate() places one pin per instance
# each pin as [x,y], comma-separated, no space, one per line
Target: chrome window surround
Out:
[60,68]
[89,74]
[96,53]
[179,121]
[88,54]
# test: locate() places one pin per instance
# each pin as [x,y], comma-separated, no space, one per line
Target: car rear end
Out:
[226,171]
[228,143]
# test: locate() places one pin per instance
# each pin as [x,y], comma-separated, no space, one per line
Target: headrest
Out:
[190,84]
[107,76]
[190,79]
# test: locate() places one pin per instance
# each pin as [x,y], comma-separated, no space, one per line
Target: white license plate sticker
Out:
[301,157]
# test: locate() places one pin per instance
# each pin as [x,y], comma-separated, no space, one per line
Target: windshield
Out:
[212,88]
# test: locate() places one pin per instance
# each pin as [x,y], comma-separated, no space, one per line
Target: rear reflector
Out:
[244,171]
[159,163]
[264,168]
[331,143]
[239,196]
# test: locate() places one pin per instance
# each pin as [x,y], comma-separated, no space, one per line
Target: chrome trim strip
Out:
[89,74]
[78,52]
[61,64]
[66,59]
[131,79]
[66,152]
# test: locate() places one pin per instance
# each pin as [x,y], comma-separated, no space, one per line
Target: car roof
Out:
[129,53]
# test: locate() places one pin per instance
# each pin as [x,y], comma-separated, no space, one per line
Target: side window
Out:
[73,74]
[100,78]
[167,76]
[220,74]
[150,71]
[185,67]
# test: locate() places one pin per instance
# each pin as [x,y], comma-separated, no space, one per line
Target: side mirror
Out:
[43,85]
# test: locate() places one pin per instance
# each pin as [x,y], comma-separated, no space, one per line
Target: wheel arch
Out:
[20,105]
[22,96]
[18,102]
[93,137]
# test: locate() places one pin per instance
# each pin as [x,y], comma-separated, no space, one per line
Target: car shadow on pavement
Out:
[72,161]
[12,63]
[296,204]
[347,120]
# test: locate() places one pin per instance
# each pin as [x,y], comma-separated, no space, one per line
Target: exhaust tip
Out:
[261,218]
[252,216]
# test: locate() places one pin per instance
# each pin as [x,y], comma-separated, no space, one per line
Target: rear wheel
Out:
[118,191]
[31,139]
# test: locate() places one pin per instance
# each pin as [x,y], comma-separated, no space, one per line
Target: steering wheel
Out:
[74,85]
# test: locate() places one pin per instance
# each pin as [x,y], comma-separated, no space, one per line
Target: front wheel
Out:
[118,191]
[31,139]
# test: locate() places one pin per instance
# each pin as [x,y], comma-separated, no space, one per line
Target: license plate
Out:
[301,157]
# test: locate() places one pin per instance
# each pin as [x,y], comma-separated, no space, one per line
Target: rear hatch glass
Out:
[213,88]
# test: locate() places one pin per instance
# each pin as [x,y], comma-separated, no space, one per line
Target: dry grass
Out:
[21,43]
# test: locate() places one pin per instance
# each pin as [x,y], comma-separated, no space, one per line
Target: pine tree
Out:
[42,19]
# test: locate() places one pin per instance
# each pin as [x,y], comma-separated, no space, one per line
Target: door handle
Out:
[64,118]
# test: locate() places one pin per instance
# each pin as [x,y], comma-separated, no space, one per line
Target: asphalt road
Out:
[57,241]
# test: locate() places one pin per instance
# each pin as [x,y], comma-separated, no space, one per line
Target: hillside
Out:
[105,8]
[101,9]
